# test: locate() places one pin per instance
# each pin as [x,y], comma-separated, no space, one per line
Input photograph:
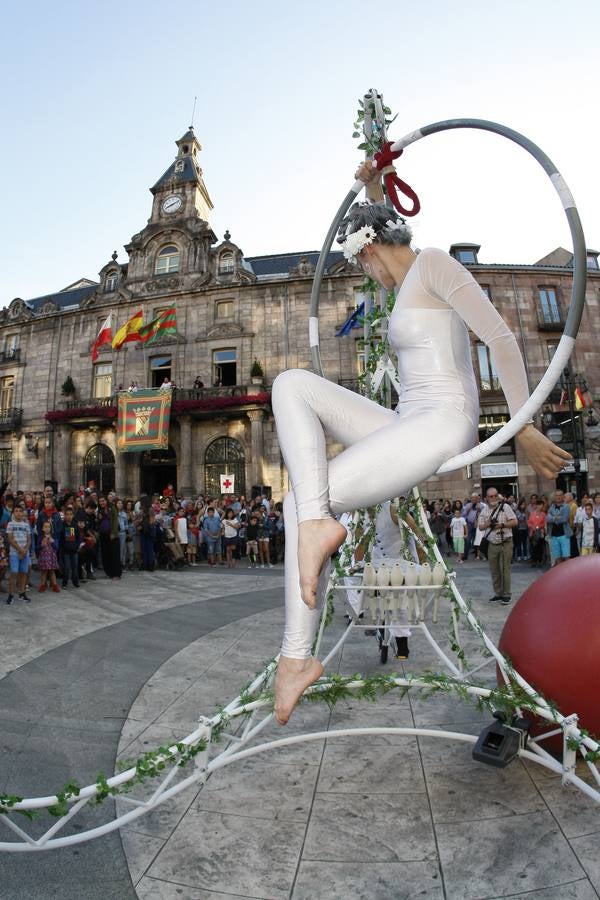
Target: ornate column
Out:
[121,474]
[184,467]
[257,446]
[62,456]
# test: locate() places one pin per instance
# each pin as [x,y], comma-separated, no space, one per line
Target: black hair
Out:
[377,216]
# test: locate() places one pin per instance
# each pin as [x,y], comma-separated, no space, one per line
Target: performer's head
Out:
[377,238]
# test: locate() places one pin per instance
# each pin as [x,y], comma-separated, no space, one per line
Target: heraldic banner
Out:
[143,422]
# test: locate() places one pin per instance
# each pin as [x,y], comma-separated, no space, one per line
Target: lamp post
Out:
[569,384]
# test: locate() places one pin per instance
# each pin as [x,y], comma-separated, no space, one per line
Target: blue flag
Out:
[352,321]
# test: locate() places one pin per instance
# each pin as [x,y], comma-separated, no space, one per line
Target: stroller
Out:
[169,553]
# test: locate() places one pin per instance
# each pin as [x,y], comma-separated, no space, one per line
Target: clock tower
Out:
[181,193]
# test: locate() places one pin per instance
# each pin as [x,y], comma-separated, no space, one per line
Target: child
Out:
[47,559]
[252,541]
[193,532]
[68,544]
[86,543]
[458,525]
[180,527]
[3,558]
[211,532]
[18,535]
[230,533]
[590,530]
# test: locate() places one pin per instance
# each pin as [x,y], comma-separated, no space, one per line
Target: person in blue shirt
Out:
[559,529]
[212,529]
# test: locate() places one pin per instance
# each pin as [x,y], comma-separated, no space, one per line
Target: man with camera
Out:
[497,522]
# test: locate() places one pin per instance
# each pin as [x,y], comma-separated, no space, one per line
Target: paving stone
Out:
[576,890]
[230,853]
[376,765]
[140,850]
[154,889]
[358,881]
[380,828]
[497,857]
[587,848]
[265,790]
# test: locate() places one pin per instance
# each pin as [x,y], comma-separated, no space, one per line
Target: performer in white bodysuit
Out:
[387,451]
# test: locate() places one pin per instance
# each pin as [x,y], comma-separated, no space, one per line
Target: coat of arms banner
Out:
[143,421]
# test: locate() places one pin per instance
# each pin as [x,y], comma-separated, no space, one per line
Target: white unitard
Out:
[388,452]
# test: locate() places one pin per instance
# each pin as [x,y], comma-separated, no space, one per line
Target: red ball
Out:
[552,637]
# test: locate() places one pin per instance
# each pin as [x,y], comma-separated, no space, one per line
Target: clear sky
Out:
[95,93]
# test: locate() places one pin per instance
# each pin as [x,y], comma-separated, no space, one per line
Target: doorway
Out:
[158,468]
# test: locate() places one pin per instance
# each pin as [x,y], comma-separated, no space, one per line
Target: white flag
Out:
[227,484]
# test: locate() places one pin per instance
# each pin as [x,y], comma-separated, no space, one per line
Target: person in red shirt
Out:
[536,524]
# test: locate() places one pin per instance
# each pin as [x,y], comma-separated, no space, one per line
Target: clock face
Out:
[172,204]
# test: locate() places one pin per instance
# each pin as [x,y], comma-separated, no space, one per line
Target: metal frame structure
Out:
[253,711]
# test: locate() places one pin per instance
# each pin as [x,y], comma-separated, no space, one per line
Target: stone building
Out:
[232,310]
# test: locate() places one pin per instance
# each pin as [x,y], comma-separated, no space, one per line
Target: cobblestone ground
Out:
[112,672]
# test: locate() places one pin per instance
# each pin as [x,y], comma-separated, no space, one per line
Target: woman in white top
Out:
[231,527]
[387,452]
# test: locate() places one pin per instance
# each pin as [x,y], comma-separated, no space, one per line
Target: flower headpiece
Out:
[355,242]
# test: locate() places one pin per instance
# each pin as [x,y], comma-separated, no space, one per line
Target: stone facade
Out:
[231,311]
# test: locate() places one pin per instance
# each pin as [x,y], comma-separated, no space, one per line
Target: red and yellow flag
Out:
[130,331]
[579,401]
[164,324]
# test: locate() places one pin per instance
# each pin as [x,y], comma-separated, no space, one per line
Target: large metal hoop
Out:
[567,341]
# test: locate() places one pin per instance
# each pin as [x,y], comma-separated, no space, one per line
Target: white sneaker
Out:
[262,565]
[270,565]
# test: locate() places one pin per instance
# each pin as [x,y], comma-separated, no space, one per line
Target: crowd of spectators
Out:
[70,537]
[548,530]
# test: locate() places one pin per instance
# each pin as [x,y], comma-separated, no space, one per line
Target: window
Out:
[224,367]
[102,380]
[488,376]
[551,348]
[167,260]
[5,463]
[486,290]
[592,261]
[549,308]
[160,368]
[11,345]
[226,263]
[7,392]
[111,283]
[466,256]
[224,309]
[360,357]
[179,165]
[225,456]
[99,467]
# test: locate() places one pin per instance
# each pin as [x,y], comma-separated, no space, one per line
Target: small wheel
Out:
[383,654]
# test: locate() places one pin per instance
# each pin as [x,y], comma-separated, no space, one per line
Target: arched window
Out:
[111,282]
[99,467]
[226,262]
[167,260]
[225,456]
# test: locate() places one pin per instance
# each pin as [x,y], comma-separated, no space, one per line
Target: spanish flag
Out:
[130,331]
[579,401]
[164,324]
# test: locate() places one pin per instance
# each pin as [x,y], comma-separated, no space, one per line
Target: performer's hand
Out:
[543,455]
[368,172]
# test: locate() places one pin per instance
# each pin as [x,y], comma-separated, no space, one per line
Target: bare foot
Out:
[292,678]
[317,540]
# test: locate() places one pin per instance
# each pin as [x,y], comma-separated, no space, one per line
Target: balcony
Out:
[10,356]
[10,417]
[200,401]
[554,321]
[355,384]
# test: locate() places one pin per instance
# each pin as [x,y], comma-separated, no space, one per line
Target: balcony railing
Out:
[86,402]
[10,356]
[10,417]
[550,322]
[353,384]
[230,390]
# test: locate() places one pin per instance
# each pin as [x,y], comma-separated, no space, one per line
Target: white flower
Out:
[357,241]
